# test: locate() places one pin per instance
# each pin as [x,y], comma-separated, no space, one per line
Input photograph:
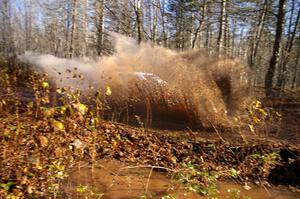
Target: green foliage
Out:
[89,191]
[233,173]
[81,189]
[169,197]
[260,115]
[236,194]
[57,169]
[7,186]
[196,180]
[269,159]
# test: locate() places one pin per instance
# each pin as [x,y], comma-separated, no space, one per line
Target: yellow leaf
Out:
[174,159]
[45,84]
[48,112]
[257,104]
[251,127]
[43,141]
[61,109]
[108,91]
[256,120]
[278,114]
[59,91]
[45,100]
[58,125]
[262,111]
[81,108]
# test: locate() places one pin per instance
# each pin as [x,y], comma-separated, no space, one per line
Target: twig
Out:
[216,130]
[148,180]
[146,166]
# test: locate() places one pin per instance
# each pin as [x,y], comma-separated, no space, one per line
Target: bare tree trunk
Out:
[287,51]
[138,15]
[28,24]
[276,49]
[296,68]
[154,22]
[67,32]
[6,31]
[99,25]
[162,4]
[73,28]
[207,31]
[207,38]
[258,34]
[203,13]
[85,27]
[226,35]
[233,38]
[222,26]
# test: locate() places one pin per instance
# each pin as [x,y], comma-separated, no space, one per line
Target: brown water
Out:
[115,180]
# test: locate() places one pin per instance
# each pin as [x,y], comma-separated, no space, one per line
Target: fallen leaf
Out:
[45,84]
[58,125]
[246,187]
[108,91]
[43,141]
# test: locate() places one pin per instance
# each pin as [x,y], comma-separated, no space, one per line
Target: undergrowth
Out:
[40,142]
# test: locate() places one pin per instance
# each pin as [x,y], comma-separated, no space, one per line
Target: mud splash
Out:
[206,90]
[114,180]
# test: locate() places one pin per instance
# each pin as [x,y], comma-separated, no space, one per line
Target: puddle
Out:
[116,180]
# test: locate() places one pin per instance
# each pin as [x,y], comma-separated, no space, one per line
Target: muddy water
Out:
[115,180]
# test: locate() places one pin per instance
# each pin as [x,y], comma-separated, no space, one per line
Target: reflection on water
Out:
[115,180]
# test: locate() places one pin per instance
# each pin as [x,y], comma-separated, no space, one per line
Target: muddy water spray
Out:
[201,88]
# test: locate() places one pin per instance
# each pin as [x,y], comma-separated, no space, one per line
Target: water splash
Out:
[203,89]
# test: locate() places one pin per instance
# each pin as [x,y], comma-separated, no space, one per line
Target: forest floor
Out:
[37,156]
[45,150]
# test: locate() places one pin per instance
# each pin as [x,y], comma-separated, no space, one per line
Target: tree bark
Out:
[296,69]
[28,25]
[258,34]
[203,13]
[222,26]
[162,4]
[9,50]
[73,27]
[282,75]
[99,25]
[138,15]
[276,49]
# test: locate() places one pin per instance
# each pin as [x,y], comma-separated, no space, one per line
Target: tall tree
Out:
[276,49]
[292,31]
[99,23]
[222,26]
[258,29]
[200,21]
[162,5]
[7,43]
[73,27]
[137,5]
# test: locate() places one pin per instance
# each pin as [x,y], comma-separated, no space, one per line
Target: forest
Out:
[143,99]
